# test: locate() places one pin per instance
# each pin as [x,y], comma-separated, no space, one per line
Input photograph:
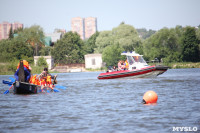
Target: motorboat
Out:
[138,68]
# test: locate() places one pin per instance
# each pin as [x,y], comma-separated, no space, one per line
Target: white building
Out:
[93,61]
[49,60]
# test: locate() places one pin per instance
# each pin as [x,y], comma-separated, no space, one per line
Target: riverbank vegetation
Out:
[168,45]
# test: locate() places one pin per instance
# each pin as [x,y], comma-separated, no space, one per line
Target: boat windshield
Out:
[130,60]
[135,59]
[139,59]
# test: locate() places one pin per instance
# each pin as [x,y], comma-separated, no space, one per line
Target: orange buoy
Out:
[150,97]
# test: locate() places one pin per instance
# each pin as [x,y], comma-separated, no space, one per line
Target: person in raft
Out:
[24,75]
[45,78]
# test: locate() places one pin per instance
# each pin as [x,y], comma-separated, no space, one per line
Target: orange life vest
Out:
[127,65]
[26,64]
[43,82]
[49,80]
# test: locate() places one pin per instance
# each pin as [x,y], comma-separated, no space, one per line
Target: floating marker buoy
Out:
[150,97]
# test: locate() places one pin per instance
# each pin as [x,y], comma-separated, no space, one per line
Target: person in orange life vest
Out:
[27,71]
[33,80]
[45,73]
[45,78]
[126,65]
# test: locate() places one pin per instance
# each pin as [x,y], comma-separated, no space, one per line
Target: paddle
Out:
[56,90]
[7,91]
[12,79]
[60,87]
[7,82]
[53,89]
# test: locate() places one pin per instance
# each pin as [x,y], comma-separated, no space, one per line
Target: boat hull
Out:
[26,88]
[151,71]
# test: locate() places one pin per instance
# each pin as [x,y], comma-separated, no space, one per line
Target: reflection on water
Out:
[92,105]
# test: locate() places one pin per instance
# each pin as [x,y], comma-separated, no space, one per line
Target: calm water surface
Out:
[90,105]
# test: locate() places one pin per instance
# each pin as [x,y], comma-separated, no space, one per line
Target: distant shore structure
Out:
[85,27]
[5,29]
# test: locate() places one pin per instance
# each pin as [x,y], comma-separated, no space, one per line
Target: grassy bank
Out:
[177,65]
[10,68]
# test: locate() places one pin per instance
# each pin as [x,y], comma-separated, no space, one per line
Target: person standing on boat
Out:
[23,72]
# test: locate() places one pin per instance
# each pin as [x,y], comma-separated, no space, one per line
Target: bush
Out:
[42,62]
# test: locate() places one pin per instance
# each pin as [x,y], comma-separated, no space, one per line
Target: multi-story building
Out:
[90,26]
[5,29]
[16,25]
[77,25]
[85,27]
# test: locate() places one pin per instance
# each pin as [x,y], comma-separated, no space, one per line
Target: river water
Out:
[89,105]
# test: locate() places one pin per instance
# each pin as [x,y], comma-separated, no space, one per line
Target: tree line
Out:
[179,44]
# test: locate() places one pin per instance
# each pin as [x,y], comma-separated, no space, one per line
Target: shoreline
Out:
[5,69]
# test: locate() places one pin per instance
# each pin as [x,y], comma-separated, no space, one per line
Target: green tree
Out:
[69,49]
[11,34]
[124,35]
[190,48]
[14,49]
[144,33]
[162,45]
[112,54]
[33,36]
[5,51]
[90,43]
[45,51]
[103,40]
[42,62]
[20,49]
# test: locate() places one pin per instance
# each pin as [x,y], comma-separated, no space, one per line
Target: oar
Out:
[54,89]
[7,82]
[60,87]
[12,79]
[7,91]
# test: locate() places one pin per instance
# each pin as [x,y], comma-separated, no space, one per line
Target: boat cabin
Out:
[135,60]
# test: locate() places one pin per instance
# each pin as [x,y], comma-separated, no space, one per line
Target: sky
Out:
[149,14]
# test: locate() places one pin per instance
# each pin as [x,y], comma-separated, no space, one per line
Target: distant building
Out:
[90,26]
[47,41]
[49,60]
[16,26]
[63,31]
[85,27]
[77,25]
[93,61]
[53,38]
[5,29]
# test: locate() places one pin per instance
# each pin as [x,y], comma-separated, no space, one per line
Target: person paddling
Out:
[45,78]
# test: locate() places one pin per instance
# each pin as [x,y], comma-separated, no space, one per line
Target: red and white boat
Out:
[138,68]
